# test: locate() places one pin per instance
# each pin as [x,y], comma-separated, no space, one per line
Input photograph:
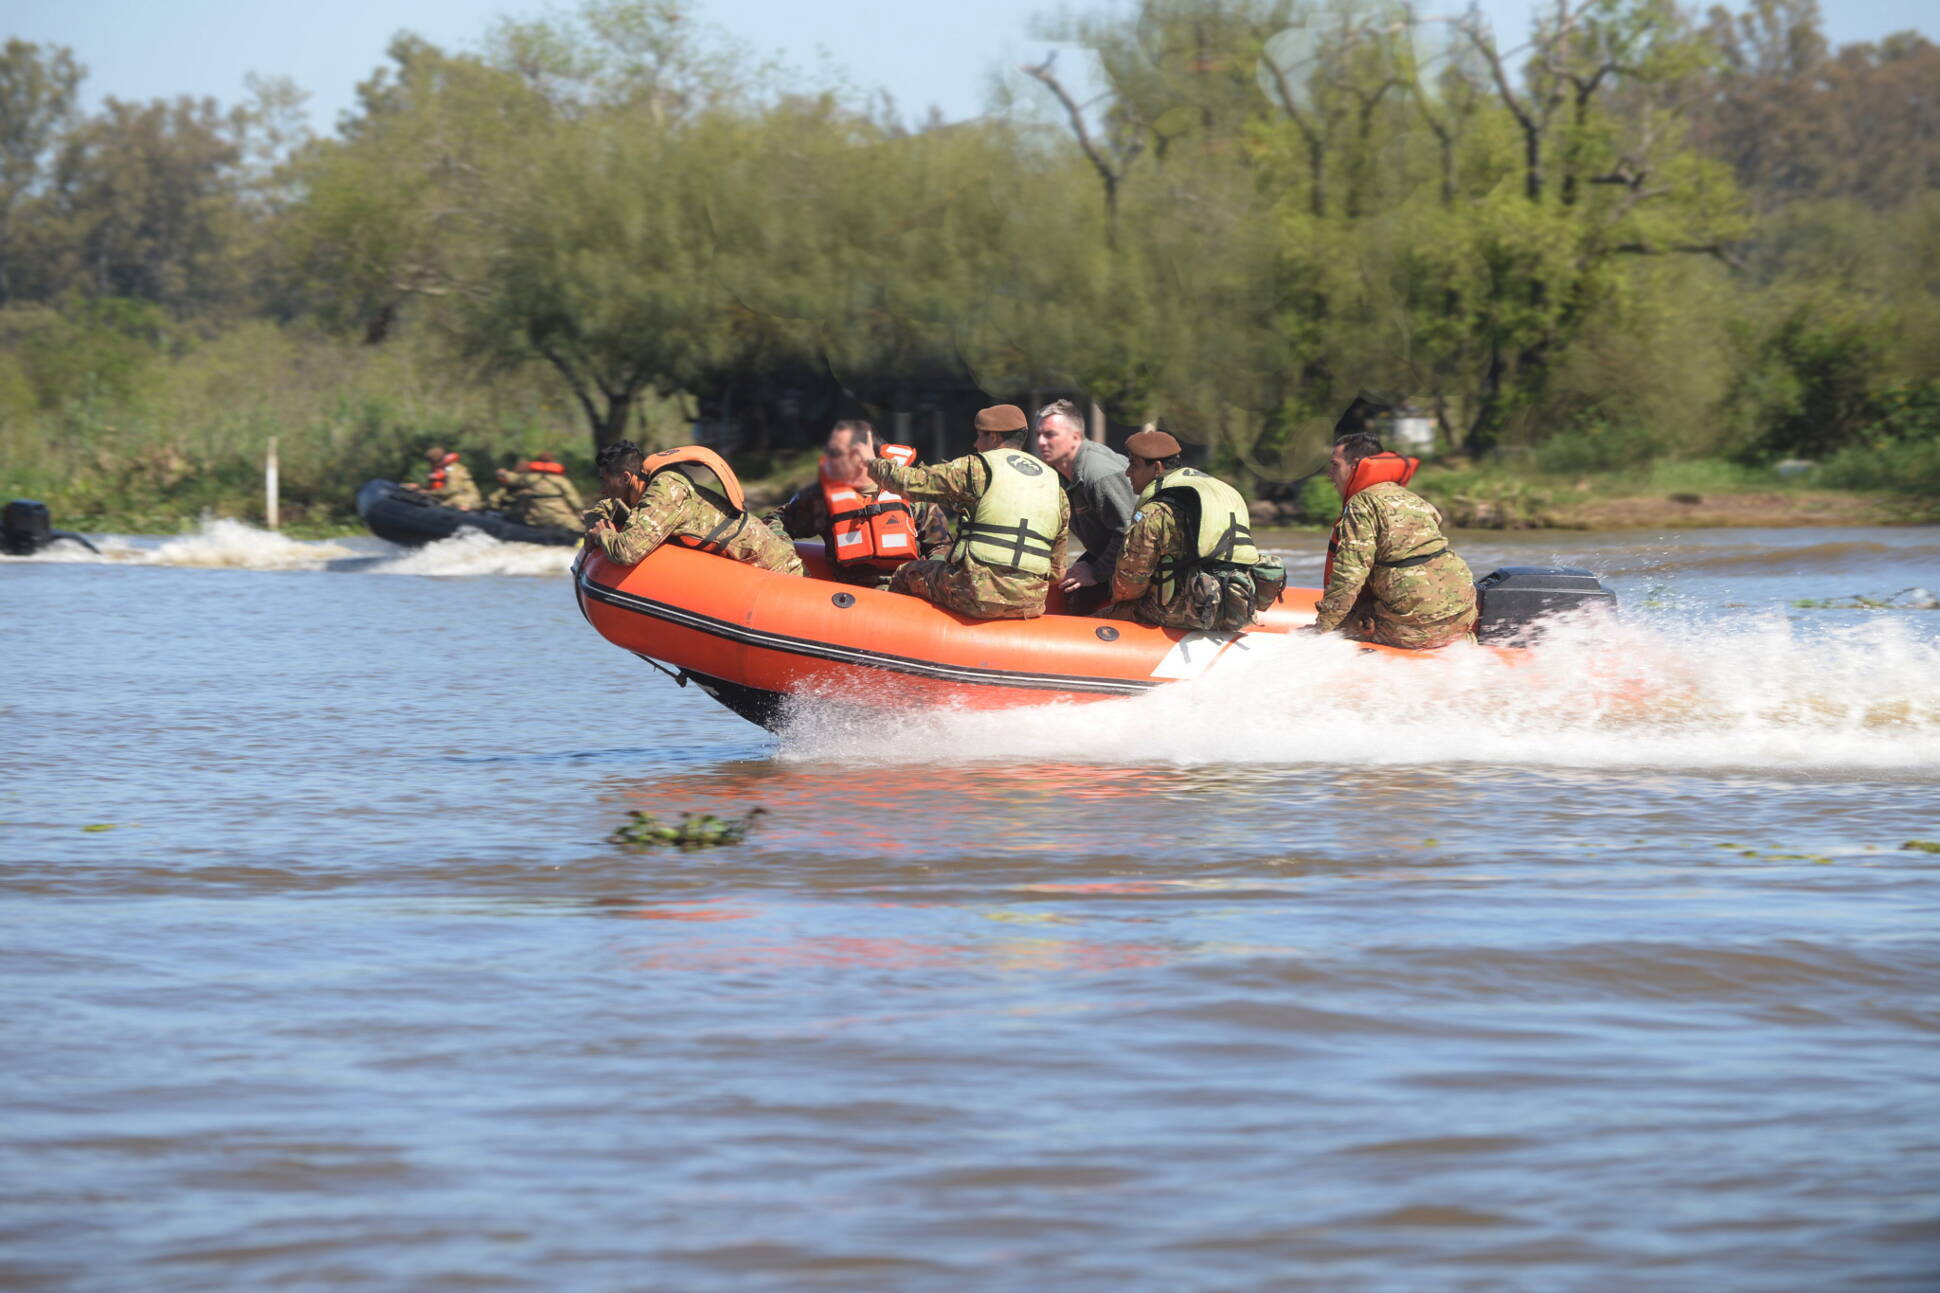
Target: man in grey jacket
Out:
[1101,501]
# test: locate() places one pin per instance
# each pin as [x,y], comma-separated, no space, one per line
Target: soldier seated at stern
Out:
[866,530]
[1391,576]
[538,493]
[1012,520]
[687,495]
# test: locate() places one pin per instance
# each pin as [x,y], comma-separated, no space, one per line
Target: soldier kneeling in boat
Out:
[539,493]
[1012,522]
[689,496]
[1391,576]
[1188,561]
[867,531]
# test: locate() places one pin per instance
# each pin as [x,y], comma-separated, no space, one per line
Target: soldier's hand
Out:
[1081,575]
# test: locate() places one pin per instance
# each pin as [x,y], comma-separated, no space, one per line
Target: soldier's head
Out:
[847,451]
[1348,452]
[1060,430]
[1153,453]
[619,467]
[435,455]
[1001,426]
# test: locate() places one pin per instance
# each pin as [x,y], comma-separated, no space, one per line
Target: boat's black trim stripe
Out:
[857,655]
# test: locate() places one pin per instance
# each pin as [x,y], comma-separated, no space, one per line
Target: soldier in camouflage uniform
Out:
[1157,577]
[1393,579]
[448,482]
[846,456]
[988,577]
[637,514]
[539,494]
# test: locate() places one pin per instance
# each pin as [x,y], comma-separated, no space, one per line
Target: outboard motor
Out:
[1514,600]
[25,527]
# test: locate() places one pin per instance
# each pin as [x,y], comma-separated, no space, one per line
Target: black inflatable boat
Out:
[410,518]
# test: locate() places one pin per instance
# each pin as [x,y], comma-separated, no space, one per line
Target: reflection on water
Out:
[1609,969]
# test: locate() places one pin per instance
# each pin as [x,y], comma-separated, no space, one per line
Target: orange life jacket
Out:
[437,477]
[543,464]
[877,532]
[711,475]
[1375,469]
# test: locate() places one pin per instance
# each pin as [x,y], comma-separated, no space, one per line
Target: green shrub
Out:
[1319,501]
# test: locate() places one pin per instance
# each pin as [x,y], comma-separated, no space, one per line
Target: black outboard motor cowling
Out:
[1515,600]
[25,527]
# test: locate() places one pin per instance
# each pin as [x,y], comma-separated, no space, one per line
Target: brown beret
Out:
[1001,419]
[1152,445]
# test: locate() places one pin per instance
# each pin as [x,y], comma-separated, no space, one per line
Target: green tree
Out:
[37,99]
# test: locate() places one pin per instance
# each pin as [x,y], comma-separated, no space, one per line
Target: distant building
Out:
[1408,430]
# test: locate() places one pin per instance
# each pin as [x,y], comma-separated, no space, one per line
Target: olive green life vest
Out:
[1222,535]
[1016,520]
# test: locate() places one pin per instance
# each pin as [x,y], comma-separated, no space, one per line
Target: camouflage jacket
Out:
[1370,598]
[969,586]
[541,498]
[1155,536]
[459,491]
[673,507]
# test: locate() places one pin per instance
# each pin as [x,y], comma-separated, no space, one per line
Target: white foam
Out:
[216,544]
[472,552]
[231,545]
[63,552]
[1750,694]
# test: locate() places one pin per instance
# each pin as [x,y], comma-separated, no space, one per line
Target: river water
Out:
[1327,972]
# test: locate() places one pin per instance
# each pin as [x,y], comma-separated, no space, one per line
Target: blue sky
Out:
[921,53]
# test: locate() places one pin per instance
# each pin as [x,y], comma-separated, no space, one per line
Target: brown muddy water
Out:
[319,972]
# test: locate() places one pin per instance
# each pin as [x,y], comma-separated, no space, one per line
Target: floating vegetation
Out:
[695,830]
[1906,599]
[1923,846]
[1817,859]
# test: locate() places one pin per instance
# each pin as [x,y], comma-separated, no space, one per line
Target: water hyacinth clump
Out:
[695,830]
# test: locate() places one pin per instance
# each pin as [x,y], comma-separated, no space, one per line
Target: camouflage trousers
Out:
[976,591]
[1364,623]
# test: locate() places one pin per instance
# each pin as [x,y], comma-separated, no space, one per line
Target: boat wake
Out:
[224,544]
[1755,694]
[471,553]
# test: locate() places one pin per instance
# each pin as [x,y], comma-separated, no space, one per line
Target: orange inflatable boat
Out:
[750,638]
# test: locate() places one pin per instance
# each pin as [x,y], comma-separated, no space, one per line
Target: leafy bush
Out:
[1599,447]
[1319,501]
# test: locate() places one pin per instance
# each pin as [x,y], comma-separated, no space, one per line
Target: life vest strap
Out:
[1230,540]
[868,510]
[1421,560]
[1023,540]
[717,539]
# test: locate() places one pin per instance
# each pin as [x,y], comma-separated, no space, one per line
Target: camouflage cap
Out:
[1001,419]
[1153,446]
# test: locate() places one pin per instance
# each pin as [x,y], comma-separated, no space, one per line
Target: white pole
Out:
[269,485]
[1097,422]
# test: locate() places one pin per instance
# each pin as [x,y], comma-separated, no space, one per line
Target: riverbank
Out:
[1701,494]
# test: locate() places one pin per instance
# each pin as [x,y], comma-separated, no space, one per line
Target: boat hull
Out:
[753,639]
[401,516]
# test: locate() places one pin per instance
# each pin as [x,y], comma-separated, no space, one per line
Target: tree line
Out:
[1628,232]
